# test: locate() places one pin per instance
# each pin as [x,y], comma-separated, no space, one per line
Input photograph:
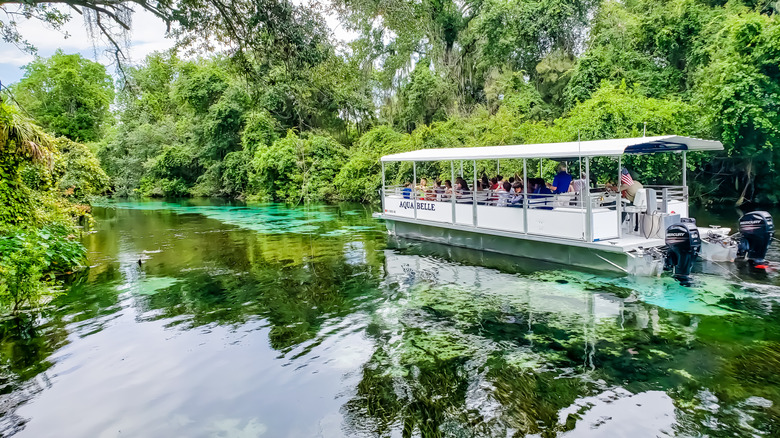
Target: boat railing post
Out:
[474,194]
[685,176]
[382,191]
[452,192]
[619,203]
[525,195]
[665,199]
[414,188]
[589,204]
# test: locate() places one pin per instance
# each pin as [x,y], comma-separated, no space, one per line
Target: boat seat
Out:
[640,203]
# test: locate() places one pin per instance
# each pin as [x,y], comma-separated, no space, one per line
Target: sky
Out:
[147,36]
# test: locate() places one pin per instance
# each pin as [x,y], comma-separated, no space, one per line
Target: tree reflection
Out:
[456,359]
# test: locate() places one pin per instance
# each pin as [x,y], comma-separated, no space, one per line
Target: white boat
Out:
[590,229]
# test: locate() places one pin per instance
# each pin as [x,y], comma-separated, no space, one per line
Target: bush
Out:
[297,168]
[29,258]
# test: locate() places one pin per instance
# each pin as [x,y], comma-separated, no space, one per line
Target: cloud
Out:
[147,36]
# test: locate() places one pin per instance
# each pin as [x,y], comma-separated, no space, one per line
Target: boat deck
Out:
[630,243]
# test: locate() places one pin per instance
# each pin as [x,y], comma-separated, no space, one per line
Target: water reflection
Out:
[204,320]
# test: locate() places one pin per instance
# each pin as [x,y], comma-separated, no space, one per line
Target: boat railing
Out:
[671,198]
[575,216]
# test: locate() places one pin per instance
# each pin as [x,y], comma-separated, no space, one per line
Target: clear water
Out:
[206,320]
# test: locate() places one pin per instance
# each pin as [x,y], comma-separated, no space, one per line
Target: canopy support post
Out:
[525,195]
[474,194]
[588,204]
[685,175]
[452,191]
[414,188]
[498,166]
[382,190]
[619,203]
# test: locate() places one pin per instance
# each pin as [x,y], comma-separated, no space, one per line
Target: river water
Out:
[204,320]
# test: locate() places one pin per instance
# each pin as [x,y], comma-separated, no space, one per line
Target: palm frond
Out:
[29,138]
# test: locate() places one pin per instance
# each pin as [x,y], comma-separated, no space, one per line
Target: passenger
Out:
[486,182]
[439,190]
[504,194]
[424,190]
[447,190]
[511,180]
[407,190]
[517,195]
[494,184]
[628,186]
[562,181]
[541,191]
[462,190]
[578,185]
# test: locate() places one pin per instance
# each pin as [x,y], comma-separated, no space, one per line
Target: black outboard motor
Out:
[756,229]
[684,245]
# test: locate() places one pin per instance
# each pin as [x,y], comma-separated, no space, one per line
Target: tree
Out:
[274,30]
[68,95]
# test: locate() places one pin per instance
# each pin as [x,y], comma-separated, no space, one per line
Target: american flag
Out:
[625,177]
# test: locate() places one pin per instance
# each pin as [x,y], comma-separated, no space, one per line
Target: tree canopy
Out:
[68,95]
[278,87]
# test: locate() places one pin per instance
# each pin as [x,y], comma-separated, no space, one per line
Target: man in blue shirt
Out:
[407,190]
[562,180]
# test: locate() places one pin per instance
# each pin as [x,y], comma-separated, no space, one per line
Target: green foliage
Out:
[423,99]
[740,90]
[360,178]
[68,95]
[170,174]
[36,222]
[77,171]
[298,168]
[260,131]
[237,167]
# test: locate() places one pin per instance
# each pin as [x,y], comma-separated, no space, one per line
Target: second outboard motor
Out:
[756,229]
[684,245]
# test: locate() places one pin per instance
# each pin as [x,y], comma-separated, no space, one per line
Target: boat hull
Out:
[539,249]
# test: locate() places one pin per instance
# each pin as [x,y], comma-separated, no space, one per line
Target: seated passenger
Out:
[562,180]
[485,182]
[541,191]
[424,190]
[407,190]
[578,185]
[447,190]
[462,190]
[504,194]
[516,200]
[438,190]
[628,186]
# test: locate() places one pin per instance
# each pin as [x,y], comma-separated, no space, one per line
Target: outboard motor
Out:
[756,229]
[684,245]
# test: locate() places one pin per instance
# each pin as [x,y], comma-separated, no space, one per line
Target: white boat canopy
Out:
[572,149]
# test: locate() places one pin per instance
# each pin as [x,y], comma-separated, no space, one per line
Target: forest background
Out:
[259,101]
[281,112]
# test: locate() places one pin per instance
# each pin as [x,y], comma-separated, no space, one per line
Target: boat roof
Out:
[572,149]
